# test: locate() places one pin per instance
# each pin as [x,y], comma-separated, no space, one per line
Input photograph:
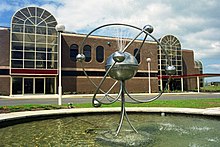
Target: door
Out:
[28,85]
[39,86]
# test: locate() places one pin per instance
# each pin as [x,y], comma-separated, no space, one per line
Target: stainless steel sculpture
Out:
[122,66]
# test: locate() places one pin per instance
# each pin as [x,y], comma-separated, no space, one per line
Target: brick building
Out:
[29,59]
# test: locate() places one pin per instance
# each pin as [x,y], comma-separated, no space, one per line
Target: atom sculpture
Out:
[122,66]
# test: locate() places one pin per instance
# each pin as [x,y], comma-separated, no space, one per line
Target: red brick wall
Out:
[4,85]
[4,48]
[81,84]
[189,68]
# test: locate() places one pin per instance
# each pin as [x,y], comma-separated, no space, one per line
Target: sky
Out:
[196,23]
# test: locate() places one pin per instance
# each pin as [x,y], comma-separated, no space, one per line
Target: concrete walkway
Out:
[15,116]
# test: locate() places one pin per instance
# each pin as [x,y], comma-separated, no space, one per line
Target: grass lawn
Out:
[192,103]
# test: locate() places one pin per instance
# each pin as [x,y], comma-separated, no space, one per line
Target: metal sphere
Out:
[60,28]
[118,56]
[148,28]
[96,103]
[170,70]
[80,57]
[122,70]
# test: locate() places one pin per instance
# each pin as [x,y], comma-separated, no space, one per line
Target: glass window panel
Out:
[179,62]
[17,28]
[52,31]
[30,21]
[17,46]
[32,10]
[51,65]
[179,73]
[28,85]
[29,29]
[17,37]
[41,56]
[39,12]
[51,56]
[29,46]
[16,85]
[41,48]
[17,20]
[50,85]
[17,55]
[29,38]
[17,63]
[42,23]
[179,68]
[52,24]
[52,48]
[38,20]
[41,64]
[39,85]
[20,15]
[87,53]
[29,55]
[41,30]
[138,55]
[52,39]
[45,14]
[178,57]
[73,52]
[25,12]
[40,39]
[28,64]
[100,54]
[50,19]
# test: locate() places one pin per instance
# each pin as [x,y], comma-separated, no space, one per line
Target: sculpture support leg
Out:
[122,108]
[123,111]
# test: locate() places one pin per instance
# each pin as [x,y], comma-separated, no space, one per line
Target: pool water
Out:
[99,130]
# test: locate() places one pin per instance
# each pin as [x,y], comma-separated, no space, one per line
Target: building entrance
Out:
[32,85]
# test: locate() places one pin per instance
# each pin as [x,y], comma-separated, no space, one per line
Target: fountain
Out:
[87,130]
[122,66]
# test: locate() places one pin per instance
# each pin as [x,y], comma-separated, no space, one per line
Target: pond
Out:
[99,130]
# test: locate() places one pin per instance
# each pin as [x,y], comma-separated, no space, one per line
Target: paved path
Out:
[45,99]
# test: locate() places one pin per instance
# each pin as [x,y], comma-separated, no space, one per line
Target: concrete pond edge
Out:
[18,117]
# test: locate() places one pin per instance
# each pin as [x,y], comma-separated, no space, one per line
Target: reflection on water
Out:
[99,130]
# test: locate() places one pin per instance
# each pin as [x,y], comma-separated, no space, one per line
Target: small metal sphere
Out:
[148,28]
[60,28]
[80,57]
[118,56]
[96,103]
[170,70]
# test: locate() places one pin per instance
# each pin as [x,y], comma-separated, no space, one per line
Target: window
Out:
[34,39]
[74,52]
[100,54]
[137,55]
[17,86]
[87,52]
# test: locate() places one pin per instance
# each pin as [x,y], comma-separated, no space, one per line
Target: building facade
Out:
[29,59]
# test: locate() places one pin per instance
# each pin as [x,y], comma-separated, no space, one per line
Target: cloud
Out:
[214,66]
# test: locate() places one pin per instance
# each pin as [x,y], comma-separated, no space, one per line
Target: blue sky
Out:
[196,23]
